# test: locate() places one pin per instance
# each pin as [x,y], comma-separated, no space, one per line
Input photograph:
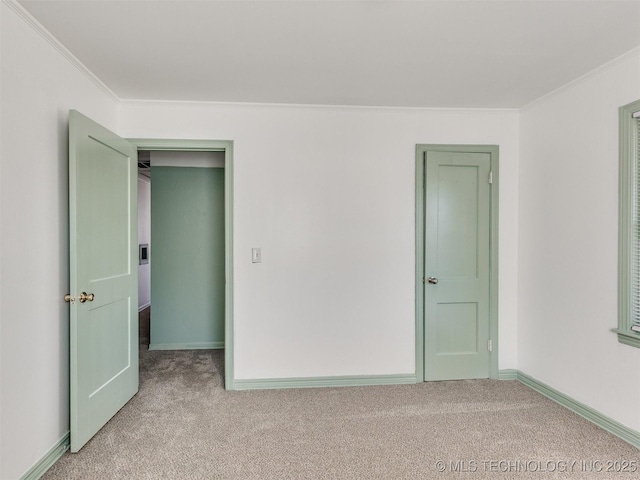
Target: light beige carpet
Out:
[183,425]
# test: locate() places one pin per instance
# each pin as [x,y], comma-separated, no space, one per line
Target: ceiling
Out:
[454,53]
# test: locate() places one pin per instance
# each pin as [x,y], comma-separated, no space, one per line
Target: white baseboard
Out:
[146,305]
[186,346]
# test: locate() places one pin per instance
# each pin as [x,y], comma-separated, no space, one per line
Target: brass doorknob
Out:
[69,298]
[83,297]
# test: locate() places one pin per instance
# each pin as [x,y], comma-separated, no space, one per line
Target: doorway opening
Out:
[144,247]
[185,218]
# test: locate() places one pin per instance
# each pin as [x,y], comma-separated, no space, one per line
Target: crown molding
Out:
[634,52]
[37,27]
[450,110]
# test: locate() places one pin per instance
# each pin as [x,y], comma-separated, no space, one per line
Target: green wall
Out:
[187,260]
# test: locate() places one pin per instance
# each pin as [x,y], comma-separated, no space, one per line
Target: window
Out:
[629,220]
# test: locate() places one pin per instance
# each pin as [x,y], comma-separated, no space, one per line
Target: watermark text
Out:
[535,465]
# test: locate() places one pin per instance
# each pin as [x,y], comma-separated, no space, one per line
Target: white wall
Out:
[144,236]
[39,86]
[568,247]
[1,122]
[329,196]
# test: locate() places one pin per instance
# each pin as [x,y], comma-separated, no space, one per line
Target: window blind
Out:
[635,254]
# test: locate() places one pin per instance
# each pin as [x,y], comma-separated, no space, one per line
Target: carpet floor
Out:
[183,425]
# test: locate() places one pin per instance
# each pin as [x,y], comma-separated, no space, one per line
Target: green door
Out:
[103,276]
[457,265]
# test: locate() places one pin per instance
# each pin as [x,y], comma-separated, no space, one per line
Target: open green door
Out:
[103,276]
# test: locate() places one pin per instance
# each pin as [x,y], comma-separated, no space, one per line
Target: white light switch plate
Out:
[256,255]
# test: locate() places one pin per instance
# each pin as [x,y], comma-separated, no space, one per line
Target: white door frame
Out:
[421,150]
[225,146]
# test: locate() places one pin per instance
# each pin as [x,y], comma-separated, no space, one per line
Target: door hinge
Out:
[490,177]
[490,345]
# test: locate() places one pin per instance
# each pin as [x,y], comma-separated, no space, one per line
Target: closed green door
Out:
[103,276]
[457,265]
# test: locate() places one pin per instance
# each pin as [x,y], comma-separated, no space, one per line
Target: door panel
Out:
[457,254]
[101,162]
[103,262]
[457,328]
[457,221]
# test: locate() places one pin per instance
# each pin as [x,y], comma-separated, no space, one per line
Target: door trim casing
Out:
[225,146]
[493,151]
